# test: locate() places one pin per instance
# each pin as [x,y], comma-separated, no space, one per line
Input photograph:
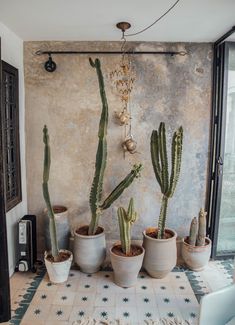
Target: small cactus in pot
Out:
[58,261]
[196,248]
[126,258]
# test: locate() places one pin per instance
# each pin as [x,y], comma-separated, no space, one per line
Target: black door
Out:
[221,203]
[5,311]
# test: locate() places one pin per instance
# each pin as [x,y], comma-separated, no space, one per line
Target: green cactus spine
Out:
[96,205]
[160,167]
[193,232]
[126,219]
[46,195]
[201,241]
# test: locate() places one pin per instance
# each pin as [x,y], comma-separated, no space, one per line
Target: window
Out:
[10,135]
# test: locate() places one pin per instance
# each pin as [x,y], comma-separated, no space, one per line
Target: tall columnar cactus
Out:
[197,233]
[193,232]
[201,228]
[126,219]
[46,195]
[160,166]
[96,205]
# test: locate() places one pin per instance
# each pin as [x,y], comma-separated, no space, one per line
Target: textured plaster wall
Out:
[176,90]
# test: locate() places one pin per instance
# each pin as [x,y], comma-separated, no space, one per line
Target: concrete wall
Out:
[174,90]
[12,53]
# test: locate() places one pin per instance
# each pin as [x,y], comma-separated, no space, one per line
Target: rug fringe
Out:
[162,321]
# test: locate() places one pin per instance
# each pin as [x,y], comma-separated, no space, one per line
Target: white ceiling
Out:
[190,20]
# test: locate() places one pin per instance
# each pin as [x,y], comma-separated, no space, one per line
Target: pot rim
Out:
[60,250]
[126,257]
[88,236]
[196,247]
[160,240]
[65,209]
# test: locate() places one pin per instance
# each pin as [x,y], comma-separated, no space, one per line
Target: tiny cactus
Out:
[197,233]
[193,232]
[46,195]
[126,219]
[160,167]
[201,228]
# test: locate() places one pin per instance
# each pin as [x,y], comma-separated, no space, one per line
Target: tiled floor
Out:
[36,301]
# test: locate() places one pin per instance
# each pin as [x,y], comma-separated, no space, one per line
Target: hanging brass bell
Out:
[129,145]
[123,118]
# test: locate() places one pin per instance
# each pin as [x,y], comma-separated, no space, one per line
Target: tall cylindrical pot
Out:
[62,227]
[89,251]
[58,272]
[160,254]
[126,268]
[196,257]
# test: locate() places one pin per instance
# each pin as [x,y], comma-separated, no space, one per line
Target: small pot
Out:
[58,272]
[160,254]
[89,251]
[126,268]
[196,257]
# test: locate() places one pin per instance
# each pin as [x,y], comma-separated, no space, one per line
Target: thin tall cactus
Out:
[96,205]
[46,195]
[126,219]
[160,166]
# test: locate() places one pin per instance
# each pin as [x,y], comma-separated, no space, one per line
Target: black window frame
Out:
[12,201]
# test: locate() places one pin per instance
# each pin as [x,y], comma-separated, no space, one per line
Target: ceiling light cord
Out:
[157,20]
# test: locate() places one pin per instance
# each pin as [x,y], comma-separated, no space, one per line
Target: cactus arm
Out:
[163,156]
[201,228]
[154,148]
[101,154]
[162,218]
[114,195]
[46,195]
[193,232]
[176,154]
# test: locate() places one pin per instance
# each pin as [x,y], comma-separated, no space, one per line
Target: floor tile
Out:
[37,313]
[84,299]
[190,314]
[64,298]
[170,312]
[146,300]
[126,300]
[43,297]
[105,300]
[104,313]
[148,313]
[80,312]
[59,313]
[127,314]
[166,301]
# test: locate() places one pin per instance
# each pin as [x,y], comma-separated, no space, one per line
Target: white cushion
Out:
[231,322]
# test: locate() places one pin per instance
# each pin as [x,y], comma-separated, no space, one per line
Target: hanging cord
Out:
[157,20]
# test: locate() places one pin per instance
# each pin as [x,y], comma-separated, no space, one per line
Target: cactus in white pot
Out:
[57,261]
[126,258]
[196,248]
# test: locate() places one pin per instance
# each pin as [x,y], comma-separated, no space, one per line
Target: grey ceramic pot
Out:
[62,227]
[160,254]
[126,268]
[196,257]
[89,251]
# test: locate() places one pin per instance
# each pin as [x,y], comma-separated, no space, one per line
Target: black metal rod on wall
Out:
[171,53]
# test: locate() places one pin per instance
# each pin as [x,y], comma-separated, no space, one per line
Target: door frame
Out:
[217,141]
[5,306]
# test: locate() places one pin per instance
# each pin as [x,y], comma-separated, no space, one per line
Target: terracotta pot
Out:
[160,254]
[62,227]
[58,272]
[89,251]
[196,257]
[126,268]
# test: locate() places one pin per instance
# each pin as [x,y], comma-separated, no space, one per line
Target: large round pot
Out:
[160,254]
[58,272]
[89,251]
[126,268]
[196,257]
[62,227]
